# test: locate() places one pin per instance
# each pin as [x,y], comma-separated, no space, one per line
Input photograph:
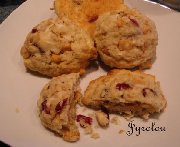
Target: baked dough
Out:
[56,47]
[126,39]
[102,118]
[57,106]
[122,91]
[85,12]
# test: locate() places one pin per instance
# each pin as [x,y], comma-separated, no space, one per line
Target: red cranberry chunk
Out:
[134,21]
[34,30]
[87,120]
[44,107]
[123,86]
[60,106]
[145,90]
[93,18]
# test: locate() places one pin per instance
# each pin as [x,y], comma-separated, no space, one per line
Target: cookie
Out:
[56,47]
[85,12]
[102,118]
[126,39]
[57,106]
[125,92]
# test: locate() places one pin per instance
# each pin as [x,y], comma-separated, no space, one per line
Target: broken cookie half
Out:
[125,92]
[57,106]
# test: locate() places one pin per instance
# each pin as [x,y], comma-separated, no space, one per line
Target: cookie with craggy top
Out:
[57,46]
[57,106]
[126,39]
[129,93]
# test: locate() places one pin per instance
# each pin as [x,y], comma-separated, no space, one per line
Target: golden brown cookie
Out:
[122,91]
[57,106]
[85,12]
[57,46]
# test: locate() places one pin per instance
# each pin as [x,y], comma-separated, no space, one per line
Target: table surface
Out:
[8,9]
[5,11]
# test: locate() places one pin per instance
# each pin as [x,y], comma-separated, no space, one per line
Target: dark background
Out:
[7,6]
[10,2]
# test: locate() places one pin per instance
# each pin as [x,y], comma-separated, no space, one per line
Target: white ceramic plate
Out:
[19,90]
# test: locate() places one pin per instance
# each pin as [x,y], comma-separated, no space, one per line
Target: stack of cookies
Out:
[63,47]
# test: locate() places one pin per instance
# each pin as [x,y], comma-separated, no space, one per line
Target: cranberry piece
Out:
[34,30]
[78,2]
[60,105]
[134,22]
[87,120]
[93,18]
[95,44]
[123,86]
[44,107]
[145,90]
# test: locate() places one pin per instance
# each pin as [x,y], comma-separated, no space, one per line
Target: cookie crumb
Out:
[85,123]
[102,118]
[95,136]
[121,131]
[91,115]
[115,120]
[17,110]
[88,130]
[145,116]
